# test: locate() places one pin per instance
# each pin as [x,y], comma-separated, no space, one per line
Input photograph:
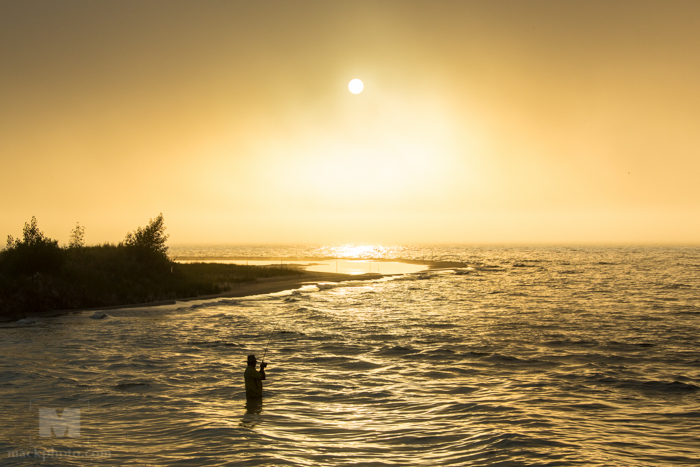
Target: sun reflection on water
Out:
[355,250]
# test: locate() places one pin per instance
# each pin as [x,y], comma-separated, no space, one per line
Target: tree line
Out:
[36,274]
[35,253]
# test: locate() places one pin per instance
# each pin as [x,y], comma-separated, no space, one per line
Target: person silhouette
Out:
[254,378]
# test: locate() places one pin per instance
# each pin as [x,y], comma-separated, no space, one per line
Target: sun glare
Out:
[356,86]
[356,251]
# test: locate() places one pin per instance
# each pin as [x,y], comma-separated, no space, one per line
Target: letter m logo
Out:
[66,425]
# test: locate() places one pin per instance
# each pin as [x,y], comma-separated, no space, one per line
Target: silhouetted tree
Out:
[31,236]
[35,252]
[151,238]
[77,236]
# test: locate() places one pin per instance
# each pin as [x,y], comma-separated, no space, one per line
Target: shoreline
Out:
[282,283]
[246,289]
[261,286]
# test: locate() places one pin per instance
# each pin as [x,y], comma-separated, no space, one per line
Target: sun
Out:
[356,86]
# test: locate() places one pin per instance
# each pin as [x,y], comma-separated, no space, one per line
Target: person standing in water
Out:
[254,378]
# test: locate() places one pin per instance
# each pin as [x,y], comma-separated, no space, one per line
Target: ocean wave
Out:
[477,354]
[131,386]
[680,309]
[629,346]
[504,358]
[212,344]
[675,286]
[524,265]
[463,272]
[687,414]
[462,390]
[650,385]
[395,350]
[573,342]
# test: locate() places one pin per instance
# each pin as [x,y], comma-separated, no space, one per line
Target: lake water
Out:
[532,356]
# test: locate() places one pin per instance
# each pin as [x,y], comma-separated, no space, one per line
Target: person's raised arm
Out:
[262,369]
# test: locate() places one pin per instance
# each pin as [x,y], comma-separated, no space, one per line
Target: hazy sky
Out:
[480,121]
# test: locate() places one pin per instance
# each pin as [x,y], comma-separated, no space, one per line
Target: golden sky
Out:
[480,122]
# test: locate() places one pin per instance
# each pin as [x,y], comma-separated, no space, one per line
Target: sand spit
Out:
[267,285]
[245,289]
[289,261]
